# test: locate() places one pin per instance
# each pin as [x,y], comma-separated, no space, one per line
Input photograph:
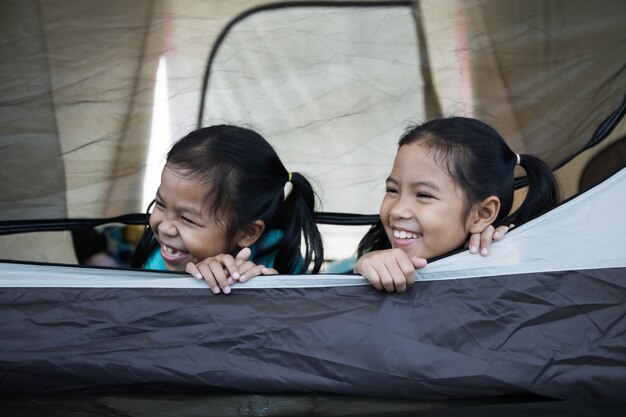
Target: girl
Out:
[451,178]
[225,197]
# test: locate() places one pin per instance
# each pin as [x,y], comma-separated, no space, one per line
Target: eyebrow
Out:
[427,184]
[182,209]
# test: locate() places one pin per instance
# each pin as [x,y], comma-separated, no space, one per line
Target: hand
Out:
[483,240]
[222,271]
[390,269]
[249,270]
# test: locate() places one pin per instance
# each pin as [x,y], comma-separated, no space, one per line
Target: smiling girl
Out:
[451,178]
[227,210]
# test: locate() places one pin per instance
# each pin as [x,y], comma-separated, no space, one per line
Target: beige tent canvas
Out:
[96,93]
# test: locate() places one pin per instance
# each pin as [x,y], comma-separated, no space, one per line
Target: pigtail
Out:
[297,221]
[543,190]
[146,245]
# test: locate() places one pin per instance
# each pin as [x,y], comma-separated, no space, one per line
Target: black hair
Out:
[245,181]
[482,164]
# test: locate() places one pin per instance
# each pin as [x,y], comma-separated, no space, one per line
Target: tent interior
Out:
[94,94]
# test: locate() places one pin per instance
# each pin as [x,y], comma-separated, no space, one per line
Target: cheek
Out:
[203,243]
[456,233]
[384,210]
[154,220]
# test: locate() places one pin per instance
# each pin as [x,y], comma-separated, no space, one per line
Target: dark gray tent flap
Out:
[442,339]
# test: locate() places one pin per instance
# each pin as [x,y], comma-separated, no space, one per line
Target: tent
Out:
[95,92]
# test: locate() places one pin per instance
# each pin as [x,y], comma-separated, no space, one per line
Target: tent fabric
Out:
[555,334]
[483,329]
[79,80]
[610,160]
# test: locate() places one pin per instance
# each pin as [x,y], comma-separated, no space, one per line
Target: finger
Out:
[418,263]
[213,273]
[247,270]
[192,269]
[474,243]
[500,232]
[406,273]
[369,272]
[407,266]
[207,274]
[252,272]
[269,271]
[386,277]
[245,267]
[217,268]
[398,278]
[230,264]
[244,254]
[486,237]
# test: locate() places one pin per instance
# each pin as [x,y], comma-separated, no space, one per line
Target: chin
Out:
[412,251]
[177,267]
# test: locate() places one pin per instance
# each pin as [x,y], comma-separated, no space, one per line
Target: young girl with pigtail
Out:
[227,210]
[451,178]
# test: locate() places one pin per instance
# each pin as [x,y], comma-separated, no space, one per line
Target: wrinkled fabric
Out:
[558,335]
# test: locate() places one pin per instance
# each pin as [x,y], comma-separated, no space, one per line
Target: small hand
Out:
[390,269]
[248,269]
[483,240]
[220,271]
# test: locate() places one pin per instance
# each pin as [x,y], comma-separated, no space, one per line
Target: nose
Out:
[400,209]
[167,227]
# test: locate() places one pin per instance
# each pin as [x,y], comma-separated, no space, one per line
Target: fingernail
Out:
[484,252]
[243,278]
[198,276]
[216,290]
[226,290]
[236,275]
[231,281]
[496,235]
[473,249]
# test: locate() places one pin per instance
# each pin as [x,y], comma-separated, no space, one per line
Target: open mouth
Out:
[170,254]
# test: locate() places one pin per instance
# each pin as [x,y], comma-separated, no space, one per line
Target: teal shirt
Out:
[155,261]
[272,237]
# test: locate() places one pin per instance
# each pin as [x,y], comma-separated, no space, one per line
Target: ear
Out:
[483,214]
[250,234]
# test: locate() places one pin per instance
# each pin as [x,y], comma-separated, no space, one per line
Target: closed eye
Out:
[424,196]
[389,190]
[187,220]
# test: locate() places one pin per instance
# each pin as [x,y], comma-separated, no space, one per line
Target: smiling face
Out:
[181,223]
[423,211]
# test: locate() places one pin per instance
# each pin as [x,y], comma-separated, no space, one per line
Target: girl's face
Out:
[423,208]
[181,224]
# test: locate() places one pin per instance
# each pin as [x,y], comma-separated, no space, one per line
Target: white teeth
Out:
[169,250]
[404,234]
